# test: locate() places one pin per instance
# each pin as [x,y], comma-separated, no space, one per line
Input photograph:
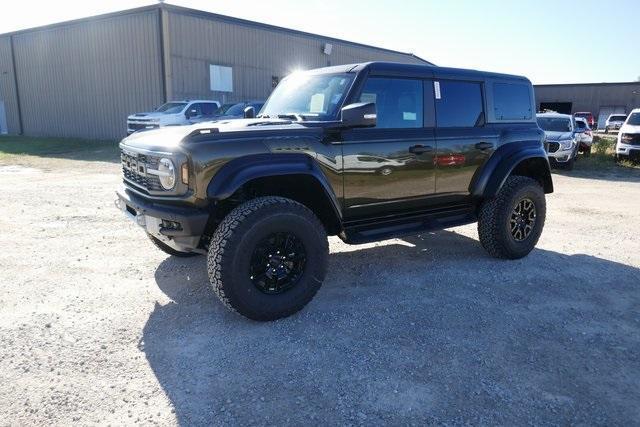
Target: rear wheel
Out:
[268,258]
[168,249]
[510,224]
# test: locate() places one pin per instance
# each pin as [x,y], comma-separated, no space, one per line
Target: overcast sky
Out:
[548,41]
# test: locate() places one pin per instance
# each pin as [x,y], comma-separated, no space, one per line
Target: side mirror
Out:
[361,114]
[249,112]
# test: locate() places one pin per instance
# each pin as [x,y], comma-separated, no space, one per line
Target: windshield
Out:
[634,119]
[583,115]
[617,118]
[581,124]
[554,124]
[310,96]
[171,107]
[235,110]
[224,108]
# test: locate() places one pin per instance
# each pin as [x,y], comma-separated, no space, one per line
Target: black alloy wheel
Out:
[277,263]
[523,219]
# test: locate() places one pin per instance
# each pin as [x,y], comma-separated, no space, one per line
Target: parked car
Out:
[628,144]
[589,117]
[235,111]
[614,122]
[561,138]
[259,195]
[171,114]
[584,135]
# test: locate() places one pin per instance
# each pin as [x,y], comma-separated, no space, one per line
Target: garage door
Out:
[605,112]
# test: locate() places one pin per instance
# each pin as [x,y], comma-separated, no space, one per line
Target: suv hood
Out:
[170,137]
[630,129]
[556,136]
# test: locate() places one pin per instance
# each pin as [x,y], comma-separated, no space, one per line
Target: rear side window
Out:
[512,101]
[398,102]
[208,109]
[458,104]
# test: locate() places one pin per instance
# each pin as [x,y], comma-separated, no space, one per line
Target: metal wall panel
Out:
[591,97]
[83,79]
[256,55]
[7,86]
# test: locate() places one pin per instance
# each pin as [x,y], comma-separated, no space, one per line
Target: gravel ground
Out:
[98,326]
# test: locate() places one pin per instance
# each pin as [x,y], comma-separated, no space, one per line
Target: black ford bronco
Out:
[365,152]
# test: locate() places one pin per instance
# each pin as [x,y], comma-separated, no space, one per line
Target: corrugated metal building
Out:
[601,99]
[82,78]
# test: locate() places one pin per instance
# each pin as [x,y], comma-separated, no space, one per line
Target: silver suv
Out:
[614,122]
[562,138]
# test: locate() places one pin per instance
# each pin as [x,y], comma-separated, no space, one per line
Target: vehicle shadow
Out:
[427,330]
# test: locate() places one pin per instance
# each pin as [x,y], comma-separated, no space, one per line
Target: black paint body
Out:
[372,183]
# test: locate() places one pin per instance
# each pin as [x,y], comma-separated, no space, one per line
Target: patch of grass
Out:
[603,156]
[65,148]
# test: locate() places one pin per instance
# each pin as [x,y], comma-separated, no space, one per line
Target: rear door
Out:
[464,141]
[390,167]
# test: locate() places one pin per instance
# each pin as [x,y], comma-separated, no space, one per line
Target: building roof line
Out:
[588,84]
[208,15]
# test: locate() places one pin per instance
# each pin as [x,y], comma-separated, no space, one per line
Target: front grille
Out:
[134,169]
[552,147]
[138,126]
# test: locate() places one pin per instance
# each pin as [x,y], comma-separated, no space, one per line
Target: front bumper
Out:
[628,151]
[178,227]
[562,155]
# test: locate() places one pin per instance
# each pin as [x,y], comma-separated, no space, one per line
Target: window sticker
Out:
[317,103]
[368,97]
[409,116]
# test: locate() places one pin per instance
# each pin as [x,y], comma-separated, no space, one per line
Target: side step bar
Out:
[388,228]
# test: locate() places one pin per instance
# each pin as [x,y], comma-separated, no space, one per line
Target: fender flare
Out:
[491,177]
[238,172]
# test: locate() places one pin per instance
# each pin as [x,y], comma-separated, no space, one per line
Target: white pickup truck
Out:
[174,113]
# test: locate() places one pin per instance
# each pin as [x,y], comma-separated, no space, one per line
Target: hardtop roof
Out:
[416,70]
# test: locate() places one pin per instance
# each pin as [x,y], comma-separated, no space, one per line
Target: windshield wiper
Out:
[295,116]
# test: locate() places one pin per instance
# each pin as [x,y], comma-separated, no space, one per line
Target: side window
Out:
[208,108]
[458,104]
[399,102]
[198,110]
[511,101]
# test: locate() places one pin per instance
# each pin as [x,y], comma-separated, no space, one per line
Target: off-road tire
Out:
[168,249]
[495,213]
[232,246]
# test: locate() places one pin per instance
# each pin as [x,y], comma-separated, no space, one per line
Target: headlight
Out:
[566,143]
[166,174]
[625,138]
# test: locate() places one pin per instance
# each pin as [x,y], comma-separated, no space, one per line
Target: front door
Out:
[390,167]
[464,141]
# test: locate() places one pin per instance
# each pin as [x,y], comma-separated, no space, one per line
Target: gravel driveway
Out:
[97,326]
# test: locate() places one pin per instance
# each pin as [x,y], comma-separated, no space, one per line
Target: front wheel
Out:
[510,224]
[268,258]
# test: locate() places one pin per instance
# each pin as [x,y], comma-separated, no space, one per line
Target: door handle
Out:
[420,149]
[484,145]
